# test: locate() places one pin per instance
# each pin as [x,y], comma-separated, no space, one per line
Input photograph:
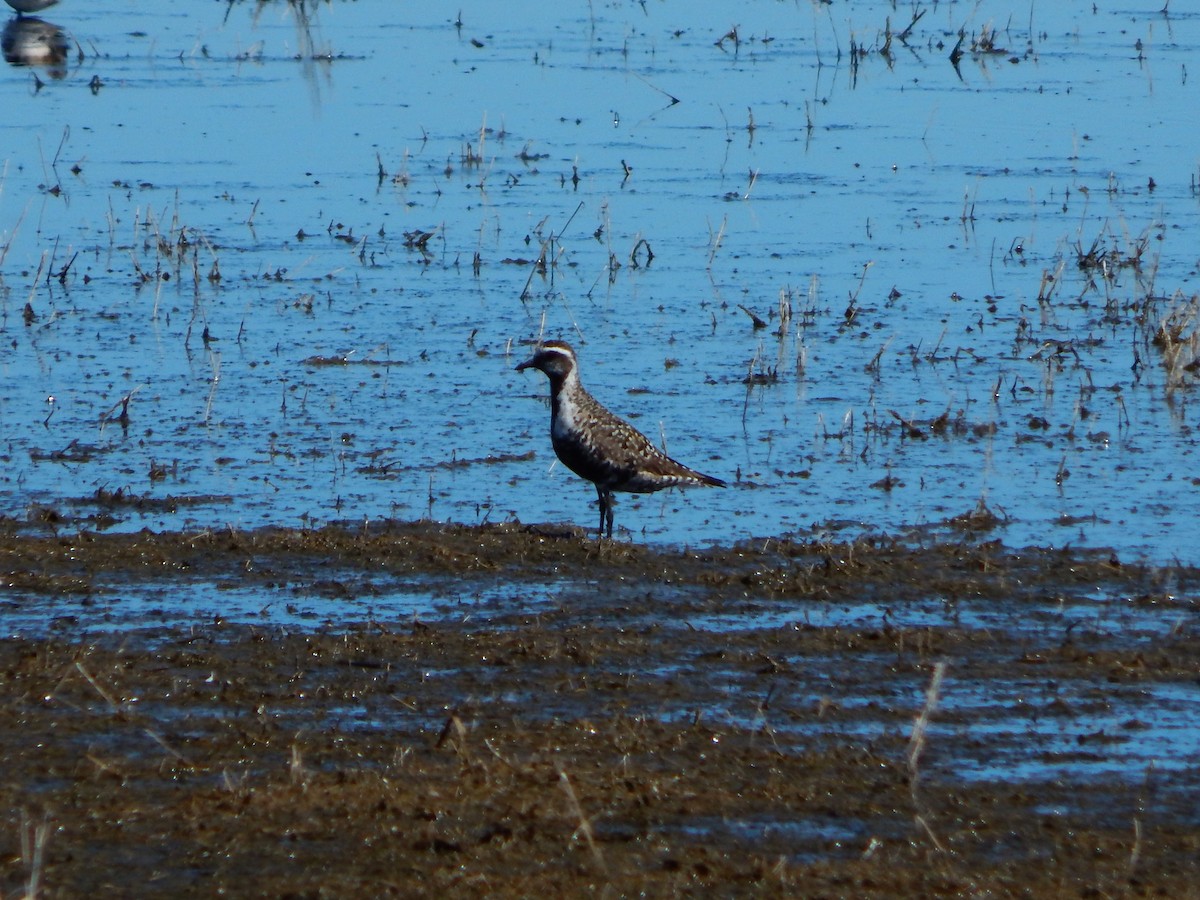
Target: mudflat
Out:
[776,718]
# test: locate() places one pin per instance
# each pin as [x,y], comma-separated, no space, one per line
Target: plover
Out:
[597,445]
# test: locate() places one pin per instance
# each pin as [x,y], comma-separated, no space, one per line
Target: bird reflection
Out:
[28,41]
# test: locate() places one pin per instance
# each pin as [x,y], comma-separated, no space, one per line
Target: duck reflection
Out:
[28,41]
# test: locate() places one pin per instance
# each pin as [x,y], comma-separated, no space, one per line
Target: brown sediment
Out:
[718,721]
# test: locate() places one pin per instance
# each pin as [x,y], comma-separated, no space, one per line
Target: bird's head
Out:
[555,358]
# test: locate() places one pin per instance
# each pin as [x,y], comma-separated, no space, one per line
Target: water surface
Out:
[302,241]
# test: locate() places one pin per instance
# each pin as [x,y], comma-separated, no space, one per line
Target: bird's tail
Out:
[708,480]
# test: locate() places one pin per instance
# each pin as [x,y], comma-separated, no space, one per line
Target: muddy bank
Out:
[961,566]
[615,719]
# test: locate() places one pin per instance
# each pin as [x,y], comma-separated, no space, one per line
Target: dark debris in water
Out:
[124,498]
[73,452]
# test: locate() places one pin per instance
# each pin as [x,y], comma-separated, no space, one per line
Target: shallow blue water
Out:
[909,213]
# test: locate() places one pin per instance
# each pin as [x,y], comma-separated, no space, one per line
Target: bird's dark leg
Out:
[600,493]
[606,510]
